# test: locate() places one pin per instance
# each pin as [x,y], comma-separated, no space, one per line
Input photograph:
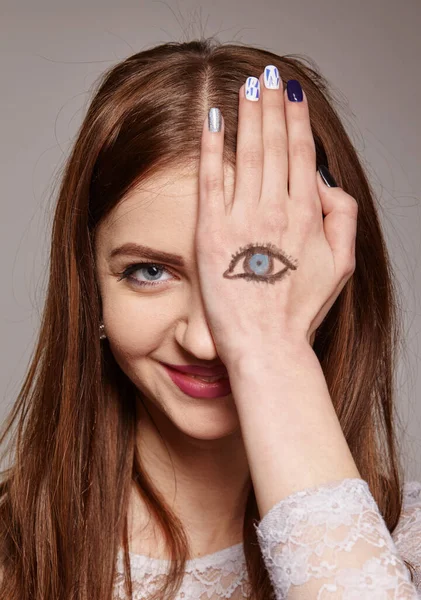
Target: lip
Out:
[198,389]
[193,370]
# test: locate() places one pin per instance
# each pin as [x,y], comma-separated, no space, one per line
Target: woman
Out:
[197,168]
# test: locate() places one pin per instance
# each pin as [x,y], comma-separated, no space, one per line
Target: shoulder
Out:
[407,533]
[411,499]
[408,530]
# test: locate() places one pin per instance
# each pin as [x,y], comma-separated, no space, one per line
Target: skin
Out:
[167,322]
[292,435]
[258,250]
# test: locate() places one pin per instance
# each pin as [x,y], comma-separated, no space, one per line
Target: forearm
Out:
[291,433]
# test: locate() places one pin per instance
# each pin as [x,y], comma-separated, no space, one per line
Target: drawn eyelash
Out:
[268,251]
[132,268]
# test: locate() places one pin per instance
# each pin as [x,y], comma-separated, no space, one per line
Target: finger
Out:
[249,156]
[340,224]
[211,170]
[275,140]
[301,147]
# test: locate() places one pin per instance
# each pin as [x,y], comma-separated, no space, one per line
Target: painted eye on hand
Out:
[258,263]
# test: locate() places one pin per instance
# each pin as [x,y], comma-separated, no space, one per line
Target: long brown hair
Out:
[64,499]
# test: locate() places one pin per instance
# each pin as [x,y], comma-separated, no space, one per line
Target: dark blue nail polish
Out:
[327,176]
[294,90]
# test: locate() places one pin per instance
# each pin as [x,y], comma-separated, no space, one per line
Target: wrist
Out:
[291,353]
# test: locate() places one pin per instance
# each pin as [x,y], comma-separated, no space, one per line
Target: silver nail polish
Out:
[214,120]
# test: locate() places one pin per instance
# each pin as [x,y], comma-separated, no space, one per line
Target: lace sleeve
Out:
[331,542]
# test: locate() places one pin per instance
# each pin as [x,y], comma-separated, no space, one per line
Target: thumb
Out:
[340,212]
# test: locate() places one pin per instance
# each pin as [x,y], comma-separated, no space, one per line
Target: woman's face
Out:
[164,322]
[147,324]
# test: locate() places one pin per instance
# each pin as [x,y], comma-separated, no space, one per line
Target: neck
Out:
[205,482]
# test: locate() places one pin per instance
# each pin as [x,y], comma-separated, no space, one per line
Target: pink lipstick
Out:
[198,388]
[194,370]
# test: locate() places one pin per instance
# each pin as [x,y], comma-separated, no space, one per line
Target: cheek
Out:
[136,323]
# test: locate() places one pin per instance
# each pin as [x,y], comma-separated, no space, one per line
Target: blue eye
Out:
[258,263]
[144,266]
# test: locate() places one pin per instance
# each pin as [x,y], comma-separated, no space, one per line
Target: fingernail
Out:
[295,91]
[327,176]
[252,89]
[214,120]
[271,77]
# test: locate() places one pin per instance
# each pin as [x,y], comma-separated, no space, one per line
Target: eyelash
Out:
[132,268]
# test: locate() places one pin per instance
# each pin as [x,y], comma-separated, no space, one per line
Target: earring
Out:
[102,334]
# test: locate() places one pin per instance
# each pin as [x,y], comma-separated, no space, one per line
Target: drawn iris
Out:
[258,263]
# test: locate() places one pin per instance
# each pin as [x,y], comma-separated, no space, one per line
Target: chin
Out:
[199,419]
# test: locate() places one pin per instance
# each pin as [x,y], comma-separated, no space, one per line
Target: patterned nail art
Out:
[252,89]
[271,77]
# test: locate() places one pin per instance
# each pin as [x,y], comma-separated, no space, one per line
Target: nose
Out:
[193,332]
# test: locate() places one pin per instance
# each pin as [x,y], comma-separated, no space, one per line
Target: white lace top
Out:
[327,542]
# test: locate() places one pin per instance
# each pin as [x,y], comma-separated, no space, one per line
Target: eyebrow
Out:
[133,249]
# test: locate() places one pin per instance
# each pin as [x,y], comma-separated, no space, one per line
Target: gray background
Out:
[51,53]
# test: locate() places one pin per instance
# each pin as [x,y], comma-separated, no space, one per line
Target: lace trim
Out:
[141,561]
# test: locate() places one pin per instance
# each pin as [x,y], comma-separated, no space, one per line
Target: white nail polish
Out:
[252,89]
[271,77]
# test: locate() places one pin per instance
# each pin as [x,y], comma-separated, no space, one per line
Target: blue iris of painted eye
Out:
[258,263]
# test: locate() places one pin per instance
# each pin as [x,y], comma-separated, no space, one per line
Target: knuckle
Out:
[208,237]
[213,184]
[353,206]
[348,204]
[302,150]
[306,213]
[277,221]
[309,212]
[276,147]
[251,158]
[350,264]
